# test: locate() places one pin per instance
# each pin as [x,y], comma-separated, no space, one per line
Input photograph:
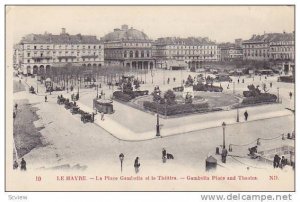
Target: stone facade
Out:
[37,53]
[271,46]
[129,48]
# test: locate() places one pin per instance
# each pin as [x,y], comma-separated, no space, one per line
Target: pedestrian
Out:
[243,81]
[16,106]
[15,165]
[271,84]
[164,155]
[23,165]
[291,94]
[174,79]
[276,161]
[265,77]
[283,162]
[137,165]
[238,80]
[224,154]
[102,116]
[168,81]
[45,98]
[246,115]
[228,86]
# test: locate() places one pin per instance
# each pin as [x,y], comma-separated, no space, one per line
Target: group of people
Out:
[168,80]
[279,162]
[137,163]
[23,165]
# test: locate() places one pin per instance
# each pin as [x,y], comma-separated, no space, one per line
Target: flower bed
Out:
[176,108]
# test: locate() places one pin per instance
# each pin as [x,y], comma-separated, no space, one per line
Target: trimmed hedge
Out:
[176,108]
[262,98]
[206,87]
[288,79]
[126,97]
[178,89]
[122,96]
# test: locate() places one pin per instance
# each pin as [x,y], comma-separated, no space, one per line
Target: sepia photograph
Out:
[150,98]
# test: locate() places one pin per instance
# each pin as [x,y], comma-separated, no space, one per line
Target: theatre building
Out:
[128,47]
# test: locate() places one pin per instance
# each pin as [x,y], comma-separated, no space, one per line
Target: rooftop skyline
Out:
[219,23]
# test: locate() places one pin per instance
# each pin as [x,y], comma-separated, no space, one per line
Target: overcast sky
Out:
[220,23]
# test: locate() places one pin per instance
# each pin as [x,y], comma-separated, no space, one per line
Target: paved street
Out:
[72,142]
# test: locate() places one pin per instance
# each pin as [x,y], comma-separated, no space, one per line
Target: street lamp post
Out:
[37,85]
[157,120]
[233,89]
[181,77]
[78,92]
[163,72]
[157,125]
[121,157]
[97,91]
[223,126]
[237,115]
[278,94]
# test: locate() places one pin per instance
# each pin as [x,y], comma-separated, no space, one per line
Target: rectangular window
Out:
[28,54]
[34,47]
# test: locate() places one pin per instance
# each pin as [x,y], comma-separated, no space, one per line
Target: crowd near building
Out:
[132,48]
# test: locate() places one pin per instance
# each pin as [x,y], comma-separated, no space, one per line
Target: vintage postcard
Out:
[150,98]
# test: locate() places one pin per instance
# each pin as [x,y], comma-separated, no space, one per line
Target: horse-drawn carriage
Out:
[31,90]
[75,97]
[75,110]
[60,100]
[93,85]
[69,105]
[87,117]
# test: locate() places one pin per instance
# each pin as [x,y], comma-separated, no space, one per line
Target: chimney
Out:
[63,30]
[124,27]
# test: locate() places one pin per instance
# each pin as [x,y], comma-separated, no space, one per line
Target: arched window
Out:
[136,54]
[131,54]
[148,53]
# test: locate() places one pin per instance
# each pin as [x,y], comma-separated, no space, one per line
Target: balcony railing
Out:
[66,57]
[89,56]
[41,57]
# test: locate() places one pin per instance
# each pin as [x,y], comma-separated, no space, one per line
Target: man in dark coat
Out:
[15,165]
[45,98]
[276,161]
[291,94]
[246,115]
[23,164]
[136,164]
[164,155]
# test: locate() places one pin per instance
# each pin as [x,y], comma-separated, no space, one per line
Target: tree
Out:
[156,95]
[254,90]
[265,88]
[188,99]
[170,97]
[189,81]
